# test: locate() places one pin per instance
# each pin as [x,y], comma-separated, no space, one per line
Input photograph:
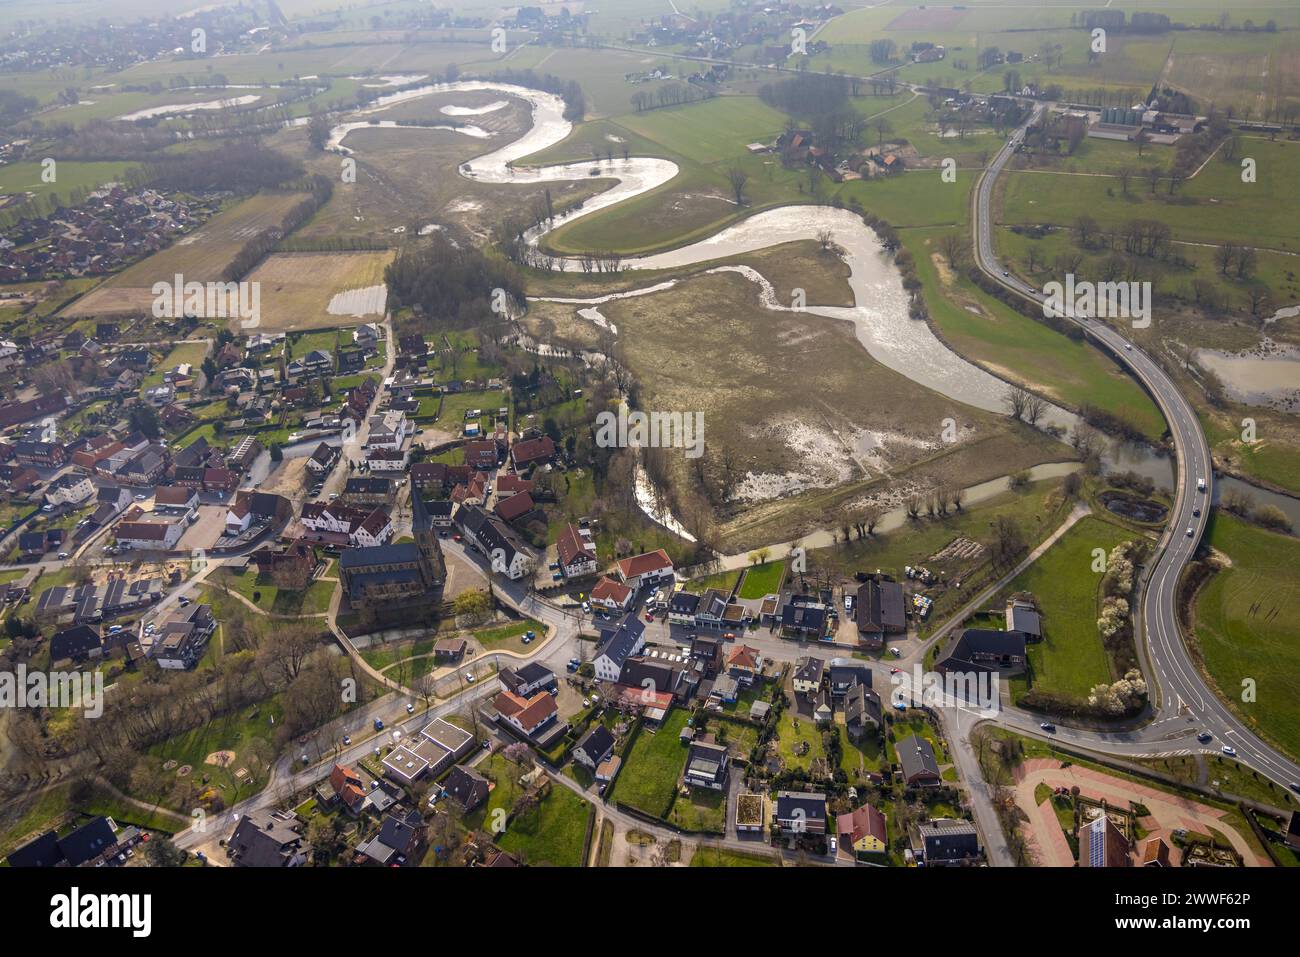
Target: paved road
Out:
[1183,705]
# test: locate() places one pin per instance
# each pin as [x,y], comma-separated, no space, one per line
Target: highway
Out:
[1182,704]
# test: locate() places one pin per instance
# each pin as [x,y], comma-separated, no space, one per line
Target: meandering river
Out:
[880,311]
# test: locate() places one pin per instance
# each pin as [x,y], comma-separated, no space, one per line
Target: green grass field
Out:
[1070,659]
[652,767]
[721,857]
[762,579]
[1246,625]
[549,835]
[1015,346]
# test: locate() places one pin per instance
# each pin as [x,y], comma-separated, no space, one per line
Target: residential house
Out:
[863,711]
[919,765]
[526,715]
[495,540]
[467,788]
[706,765]
[595,747]
[149,535]
[803,617]
[323,458]
[610,596]
[267,839]
[646,571]
[861,832]
[531,452]
[843,673]
[745,664]
[399,841]
[617,646]
[69,489]
[981,650]
[348,788]
[76,644]
[945,841]
[801,812]
[807,678]
[180,639]
[526,680]
[576,552]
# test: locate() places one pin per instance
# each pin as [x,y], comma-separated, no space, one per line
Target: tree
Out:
[1016,400]
[162,852]
[737,177]
[882,126]
[318,131]
[1085,227]
[1035,408]
[474,604]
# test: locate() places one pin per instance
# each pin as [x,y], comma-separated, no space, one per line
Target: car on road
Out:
[47,508]
[63,555]
[1197,511]
[1005,273]
[832,843]
[1127,347]
[1229,750]
[1048,727]
[649,617]
[1204,737]
[1200,485]
[1294,786]
[1190,533]
[895,671]
[456,537]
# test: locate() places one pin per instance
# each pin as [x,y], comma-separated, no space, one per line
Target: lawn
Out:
[552,834]
[762,580]
[508,636]
[653,767]
[702,812]
[1246,625]
[723,581]
[706,856]
[312,600]
[1070,659]
[799,741]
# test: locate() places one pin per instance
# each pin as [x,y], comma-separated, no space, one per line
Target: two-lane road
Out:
[1182,701]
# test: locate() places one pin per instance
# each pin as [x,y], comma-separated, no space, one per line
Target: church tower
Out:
[432,565]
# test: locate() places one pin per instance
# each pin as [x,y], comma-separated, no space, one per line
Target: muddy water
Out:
[879,316]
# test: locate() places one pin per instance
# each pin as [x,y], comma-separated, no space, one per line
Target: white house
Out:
[389,431]
[645,571]
[617,646]
[70,489]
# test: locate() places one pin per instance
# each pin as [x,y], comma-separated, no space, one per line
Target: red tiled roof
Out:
[639,565]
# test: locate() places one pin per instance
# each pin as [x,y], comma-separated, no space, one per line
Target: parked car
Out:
[410,708]
[379,724]
[573,665]
[347,739]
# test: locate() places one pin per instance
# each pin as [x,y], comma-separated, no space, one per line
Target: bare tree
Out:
[737,177]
